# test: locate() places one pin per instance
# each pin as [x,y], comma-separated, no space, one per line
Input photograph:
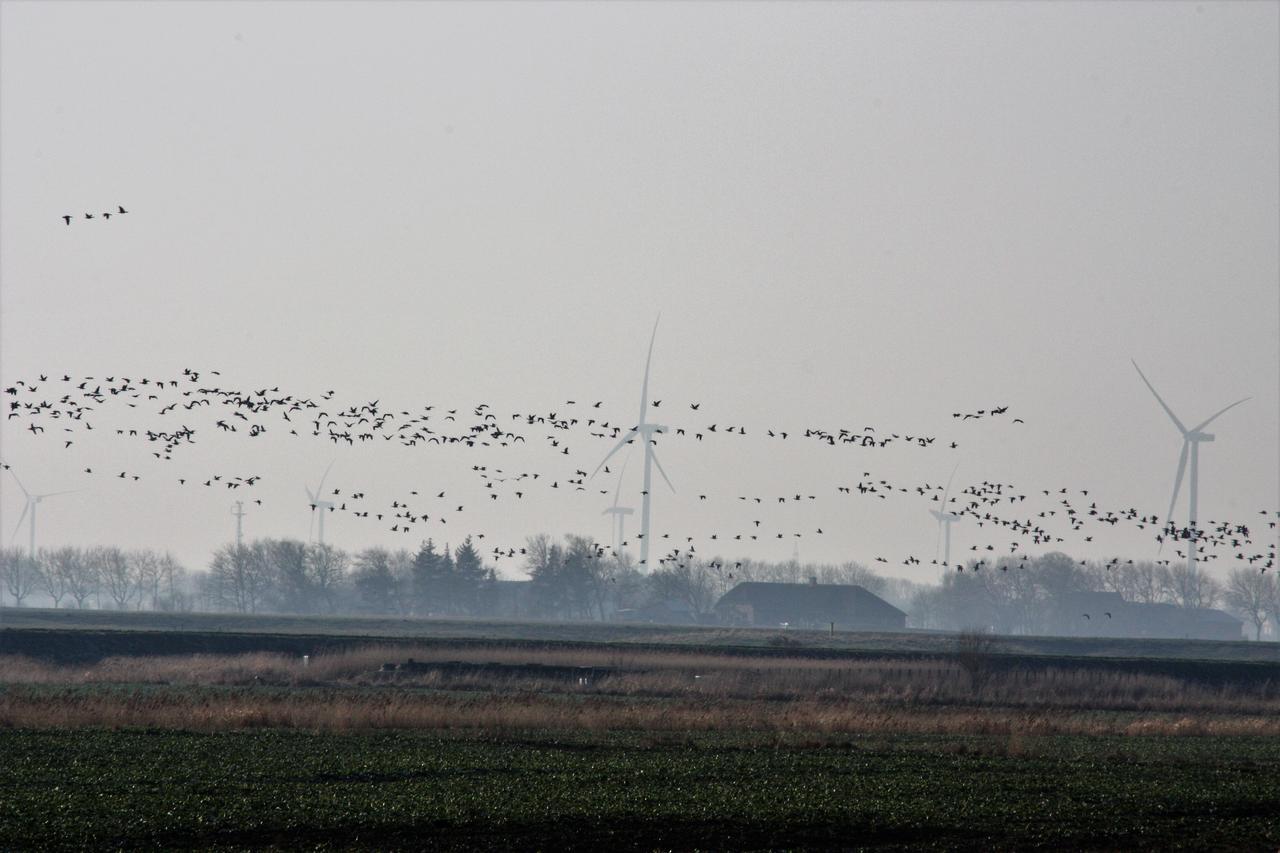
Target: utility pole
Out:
[238,512]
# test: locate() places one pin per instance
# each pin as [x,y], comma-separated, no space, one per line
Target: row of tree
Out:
[289,576]
[81,577]
[1016,597]
[577,579]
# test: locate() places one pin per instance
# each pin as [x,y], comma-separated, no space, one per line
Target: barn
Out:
[808,605]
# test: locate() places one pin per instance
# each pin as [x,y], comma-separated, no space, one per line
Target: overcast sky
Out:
[848,214]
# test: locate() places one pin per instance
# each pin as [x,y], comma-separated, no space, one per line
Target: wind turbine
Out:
[619,513]
[945,519]
[1191,439]
[645,431]
[33,501]
[318,503]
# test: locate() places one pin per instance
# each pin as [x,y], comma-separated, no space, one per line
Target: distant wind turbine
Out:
[645,431]
[945,519]
[33,501]
[318,503]
[1191,439]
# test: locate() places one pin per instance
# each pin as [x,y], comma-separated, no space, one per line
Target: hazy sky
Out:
[848,214]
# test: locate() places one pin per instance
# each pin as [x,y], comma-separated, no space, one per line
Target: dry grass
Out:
[649,690]
[497,714]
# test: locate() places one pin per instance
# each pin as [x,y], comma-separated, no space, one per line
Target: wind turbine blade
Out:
[55,494]
[937,546]
[19,482]
[1215,417]
[1159,400]
[644,387]
[18,526]
[621,472]
[320,488]
[654,457]
[622,441]
[1177,482]
[311,497]
[948,490]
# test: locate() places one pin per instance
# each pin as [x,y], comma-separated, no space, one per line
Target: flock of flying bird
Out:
[66,407]
[106,215]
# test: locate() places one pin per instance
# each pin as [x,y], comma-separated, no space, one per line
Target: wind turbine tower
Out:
[319,505]
[1191,439]
[33,501]
[619,514]
[238,512]
[645,431]
[945,519]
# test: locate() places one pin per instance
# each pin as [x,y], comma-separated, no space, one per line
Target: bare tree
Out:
[171,575]
[53,581]
[77,572]
[326,572]
[116,571]
[689,581]
[1249,593]
[237,577]
[1191,589]
[145,568]
[401,565]
[20,573]
[376,585]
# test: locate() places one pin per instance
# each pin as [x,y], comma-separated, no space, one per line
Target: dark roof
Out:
[1207,614]
[1095,599]
[808,600]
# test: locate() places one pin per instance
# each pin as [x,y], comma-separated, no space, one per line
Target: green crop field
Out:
[117,732]
[164,789]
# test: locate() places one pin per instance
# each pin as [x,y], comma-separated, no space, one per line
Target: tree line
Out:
[578,579]
[1017,597]
[100,576]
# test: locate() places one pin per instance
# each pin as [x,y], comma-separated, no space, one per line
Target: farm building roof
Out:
[810,601]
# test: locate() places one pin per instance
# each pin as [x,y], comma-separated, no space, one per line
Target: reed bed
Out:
[29,708]
[643,689]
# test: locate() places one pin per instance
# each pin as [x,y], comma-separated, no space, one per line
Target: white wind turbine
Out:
[33,501]
[319,504]
[1191,439]
[945,519]
[645,431]
[619,513]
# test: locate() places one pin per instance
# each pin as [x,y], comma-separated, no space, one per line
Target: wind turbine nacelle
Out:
[1200,436]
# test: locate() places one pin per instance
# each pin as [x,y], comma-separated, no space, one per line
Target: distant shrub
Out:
[974,652]
[782,641]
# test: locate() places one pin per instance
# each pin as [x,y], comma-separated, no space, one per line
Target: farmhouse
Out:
[1107,614]
[811,605]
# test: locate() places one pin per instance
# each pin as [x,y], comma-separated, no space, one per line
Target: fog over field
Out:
[846,216]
